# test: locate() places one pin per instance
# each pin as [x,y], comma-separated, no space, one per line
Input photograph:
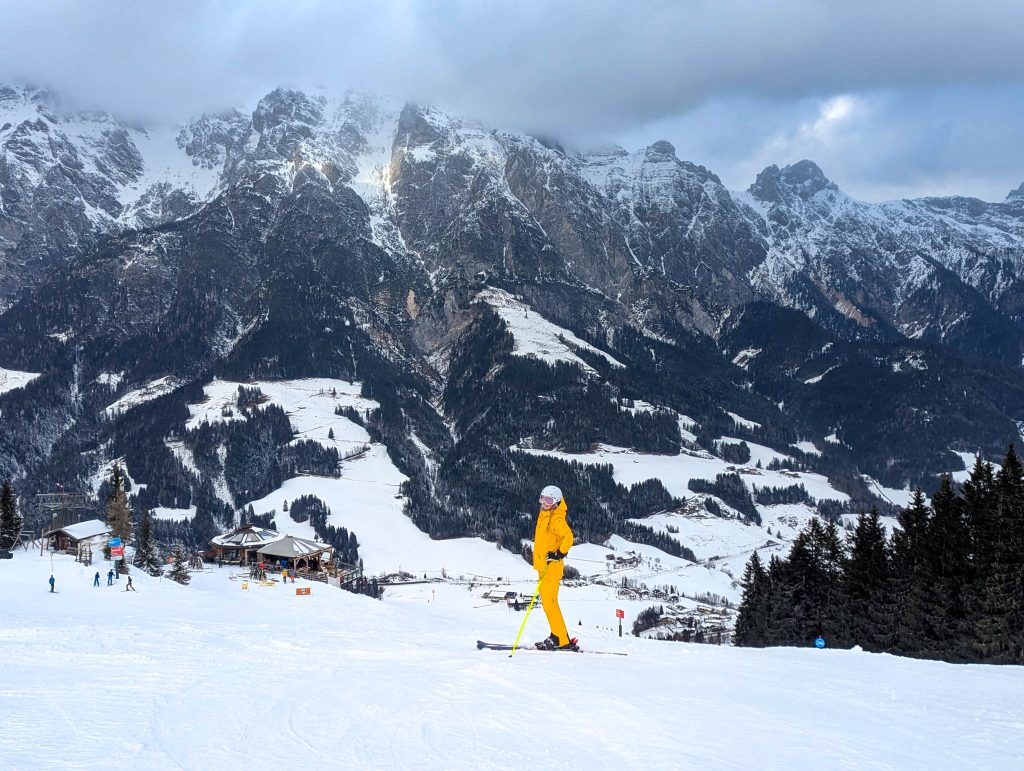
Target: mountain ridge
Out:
[353,238]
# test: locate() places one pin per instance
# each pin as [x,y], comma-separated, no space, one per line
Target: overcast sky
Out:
[891,98]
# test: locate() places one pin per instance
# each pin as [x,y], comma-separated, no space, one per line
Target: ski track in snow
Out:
[186,677]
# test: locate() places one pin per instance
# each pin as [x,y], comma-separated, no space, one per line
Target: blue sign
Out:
[114,542]
[819,643]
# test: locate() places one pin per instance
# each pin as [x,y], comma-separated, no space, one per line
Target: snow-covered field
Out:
[535,336]
[211,676]
[12,378]
[146,393]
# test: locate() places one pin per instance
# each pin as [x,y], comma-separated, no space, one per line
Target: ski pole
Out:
[533,600]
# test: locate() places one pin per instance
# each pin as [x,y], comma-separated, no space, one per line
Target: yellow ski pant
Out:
[549,584]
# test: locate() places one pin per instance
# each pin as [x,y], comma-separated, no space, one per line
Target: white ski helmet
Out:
[551,492]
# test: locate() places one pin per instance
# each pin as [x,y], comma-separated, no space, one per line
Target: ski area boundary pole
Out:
[533,600]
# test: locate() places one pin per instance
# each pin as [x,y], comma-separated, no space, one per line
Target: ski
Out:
[481,645]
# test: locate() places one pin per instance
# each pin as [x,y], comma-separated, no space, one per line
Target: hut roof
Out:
[247,537]
[82,530]
[291,547]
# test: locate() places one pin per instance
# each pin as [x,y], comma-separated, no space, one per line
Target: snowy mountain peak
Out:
[803,180]
[1016,195]
[286,106]
[661,150]
[18,103]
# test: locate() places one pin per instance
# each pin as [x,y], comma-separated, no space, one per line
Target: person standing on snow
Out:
[551,542]
[110,577]
[96,580]
[129,587]
[53,581]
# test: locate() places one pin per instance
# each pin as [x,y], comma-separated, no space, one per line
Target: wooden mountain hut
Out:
[241,544]
[68,538]
[298,554]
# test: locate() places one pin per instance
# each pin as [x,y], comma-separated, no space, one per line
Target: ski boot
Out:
[550,643]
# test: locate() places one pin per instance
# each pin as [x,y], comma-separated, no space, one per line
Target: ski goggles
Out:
[547,500]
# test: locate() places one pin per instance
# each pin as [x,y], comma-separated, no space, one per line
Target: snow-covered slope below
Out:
[535,336]
[342,681]
[11,379]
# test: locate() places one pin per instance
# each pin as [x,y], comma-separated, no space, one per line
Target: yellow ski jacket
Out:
[553,534]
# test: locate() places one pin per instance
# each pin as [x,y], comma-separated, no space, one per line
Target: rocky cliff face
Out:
[944,270]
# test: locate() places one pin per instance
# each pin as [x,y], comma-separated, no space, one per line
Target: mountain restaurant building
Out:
[240,545]
[298,554]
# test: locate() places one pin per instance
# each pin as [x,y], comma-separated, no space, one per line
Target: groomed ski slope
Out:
[210,676]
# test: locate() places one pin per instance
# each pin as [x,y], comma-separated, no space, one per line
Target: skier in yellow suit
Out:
[551,543]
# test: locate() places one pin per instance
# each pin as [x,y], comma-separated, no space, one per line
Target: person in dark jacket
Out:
[130,587]
[110,577]
[96,580]
[53,582]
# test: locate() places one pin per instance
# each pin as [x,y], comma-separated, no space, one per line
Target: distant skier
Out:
[96,579]
[110,577]
[53,583]
[284,574]
[551,542]
[130,587]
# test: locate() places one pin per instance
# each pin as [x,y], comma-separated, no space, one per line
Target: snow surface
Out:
[758,452]
[535,336]
[184,677]
[962,475]
[891,494]
[90,528]
[366,498]
[152,390]
[808,447]
[741,421]
[112,379]
[166,162]
[676,471]
[12,378]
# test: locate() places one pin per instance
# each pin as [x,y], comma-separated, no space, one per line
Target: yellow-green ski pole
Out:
[533,600]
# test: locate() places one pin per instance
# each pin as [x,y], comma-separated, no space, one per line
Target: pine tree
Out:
[775,603]
[179,568]
[829,556]
[1001,630]
[866,585]
[119,514]
[911,576]
[10,522]
[146,555]
[118,511]
[203,526]
[752,621]
[949,570]
[978,494]
[809,592]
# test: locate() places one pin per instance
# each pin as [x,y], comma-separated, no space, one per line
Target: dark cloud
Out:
[587,71]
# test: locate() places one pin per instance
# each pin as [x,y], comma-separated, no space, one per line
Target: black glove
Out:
[555,555]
